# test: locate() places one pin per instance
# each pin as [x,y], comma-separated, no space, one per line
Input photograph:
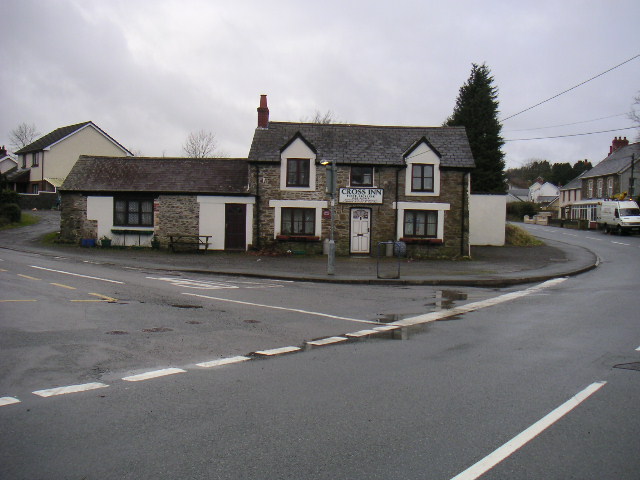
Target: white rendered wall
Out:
[212,218]
[487,219]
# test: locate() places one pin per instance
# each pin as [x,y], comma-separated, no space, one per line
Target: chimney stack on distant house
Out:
[3,151]
[263,112]
[618,143]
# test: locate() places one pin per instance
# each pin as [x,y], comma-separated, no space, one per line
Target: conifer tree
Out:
[477,110]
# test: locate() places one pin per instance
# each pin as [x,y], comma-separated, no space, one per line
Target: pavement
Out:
[489,266]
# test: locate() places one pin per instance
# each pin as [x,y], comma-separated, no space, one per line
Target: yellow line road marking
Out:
[4,301]
[104,297]
[27,276]
[63,286]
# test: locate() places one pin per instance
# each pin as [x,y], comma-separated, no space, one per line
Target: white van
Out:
[619,216]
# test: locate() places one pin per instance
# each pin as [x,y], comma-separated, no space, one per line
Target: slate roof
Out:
[363,144]
[60,133]
[158,175]
[576,183]
[615,163]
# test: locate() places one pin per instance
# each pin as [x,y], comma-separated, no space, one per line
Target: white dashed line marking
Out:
[222,361]
[277,351]
[620,243]
[77,275]
[361,333]
[153,374]
[8,401]
[327,341]
[51,392]
[386,328]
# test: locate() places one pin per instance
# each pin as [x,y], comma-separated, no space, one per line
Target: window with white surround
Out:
[421,220]
[610,187]
[297,217]
[600,185]
[590,189]
[422,177]
[298,166]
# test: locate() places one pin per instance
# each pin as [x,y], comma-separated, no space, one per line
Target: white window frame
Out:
[300,150]
[600,189]
[440,208]
[278,205]
[590,188]
[422,155]
[610,187]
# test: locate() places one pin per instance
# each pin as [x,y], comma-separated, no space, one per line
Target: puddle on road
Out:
[251,321]
[157,330]
[193,322]
[117,332]
[186,306]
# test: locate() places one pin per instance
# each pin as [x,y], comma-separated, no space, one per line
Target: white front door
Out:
[360,223]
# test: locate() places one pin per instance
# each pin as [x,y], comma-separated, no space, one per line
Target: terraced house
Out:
[391,183]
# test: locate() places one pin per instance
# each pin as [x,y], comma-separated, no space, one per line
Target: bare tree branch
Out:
[323,118]
[634,114]
[23,135]
[201,144]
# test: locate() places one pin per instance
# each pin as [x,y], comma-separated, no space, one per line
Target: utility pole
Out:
[632,180]
[331,189]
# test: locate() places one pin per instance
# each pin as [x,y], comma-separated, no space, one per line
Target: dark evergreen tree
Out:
[477,110]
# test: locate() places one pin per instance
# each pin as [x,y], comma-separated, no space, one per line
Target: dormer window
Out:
[421,178]
[362,176]
[298,172]
[423,170]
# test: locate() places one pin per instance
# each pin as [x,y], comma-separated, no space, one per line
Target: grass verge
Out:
[27,219]
[518,237]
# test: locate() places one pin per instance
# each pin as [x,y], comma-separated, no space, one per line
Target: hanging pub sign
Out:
[360,195]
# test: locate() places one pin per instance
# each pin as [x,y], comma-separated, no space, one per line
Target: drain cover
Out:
[628,366]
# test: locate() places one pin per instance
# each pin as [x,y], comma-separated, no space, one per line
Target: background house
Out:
[132,199]
[613,175]
[7,161]
[393,183]
[45,163]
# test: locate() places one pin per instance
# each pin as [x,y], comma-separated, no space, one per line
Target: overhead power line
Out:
[572,88]
[572,135]
[565,124]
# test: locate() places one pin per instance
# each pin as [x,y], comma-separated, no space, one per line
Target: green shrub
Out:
[8,196]
[518,210]
[11,211]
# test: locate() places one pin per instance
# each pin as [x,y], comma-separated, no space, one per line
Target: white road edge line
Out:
[77,275]
[153,374]
[51,392]
[527,435]
[470,307]
[297,310]
[222,361]
[277,351]
[8,401]
[327,341]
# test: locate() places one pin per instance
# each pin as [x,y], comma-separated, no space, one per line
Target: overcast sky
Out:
[148,72]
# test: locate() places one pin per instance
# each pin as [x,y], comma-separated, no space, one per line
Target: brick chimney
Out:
[263,112]
[3,151]
[618,143]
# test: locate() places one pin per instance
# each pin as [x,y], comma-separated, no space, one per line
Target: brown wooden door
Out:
[235,237]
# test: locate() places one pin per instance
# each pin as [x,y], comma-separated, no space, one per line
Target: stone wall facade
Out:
[265,179]
[176,215]
[74,225]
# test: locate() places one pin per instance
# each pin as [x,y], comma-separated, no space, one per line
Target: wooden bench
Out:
[189,242]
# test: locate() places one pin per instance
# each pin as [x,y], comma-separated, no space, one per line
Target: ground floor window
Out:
[420,223]
[133,212]
[298,221]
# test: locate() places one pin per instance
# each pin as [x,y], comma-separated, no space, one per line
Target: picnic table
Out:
[189,242]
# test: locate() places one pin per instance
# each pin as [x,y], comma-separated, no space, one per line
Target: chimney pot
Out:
[263,112]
